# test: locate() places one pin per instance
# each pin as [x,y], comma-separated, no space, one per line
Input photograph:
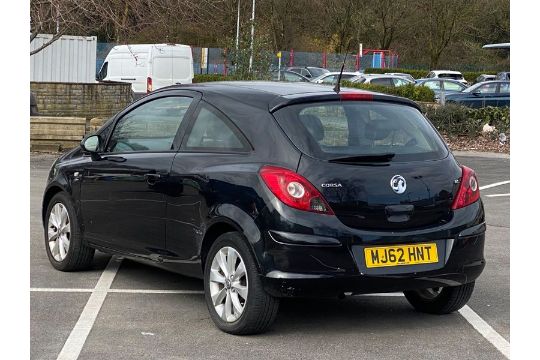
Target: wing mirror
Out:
[90,145]
[477,93]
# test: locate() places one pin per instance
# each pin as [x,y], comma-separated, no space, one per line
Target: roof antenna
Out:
[337,88]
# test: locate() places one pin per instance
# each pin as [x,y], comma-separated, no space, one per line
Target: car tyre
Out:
[440,301]
[259,309]
[61,220]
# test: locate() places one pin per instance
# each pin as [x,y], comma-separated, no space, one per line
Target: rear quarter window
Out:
[332,130]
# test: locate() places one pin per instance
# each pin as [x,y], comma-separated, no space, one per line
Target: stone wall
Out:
[81,100]
[53,134]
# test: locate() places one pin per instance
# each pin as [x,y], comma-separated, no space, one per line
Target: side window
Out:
[329,79]
[400,82]
[488,88]
[293,77]
[504,88]
[433,85]
[104,131]
[431,74]
[150,127]
[448,85]
[212,131]
[103,72]
[383,82]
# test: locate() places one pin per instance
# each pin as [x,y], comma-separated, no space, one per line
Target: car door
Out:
[484,95]
[434,85]
[504,94]
[452,87]
[211,143]
[123,194]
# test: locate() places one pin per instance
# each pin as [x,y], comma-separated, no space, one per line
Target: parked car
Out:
[351,192]
[487,93]
[381,79]
[440,86]
[148,67]
[290,76]
[447,74]
[310,72]
[485,77]
[503,76]
[331,77]
[406,76]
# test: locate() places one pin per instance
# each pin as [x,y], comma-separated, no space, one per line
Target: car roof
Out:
[337,73]
[446,72]
[438,79]
[494,82]
[272,95]
[378,75]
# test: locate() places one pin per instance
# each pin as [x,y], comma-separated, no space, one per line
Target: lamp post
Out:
[252,33]
[238,27]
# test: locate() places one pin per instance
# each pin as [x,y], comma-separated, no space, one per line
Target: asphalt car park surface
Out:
[150,313]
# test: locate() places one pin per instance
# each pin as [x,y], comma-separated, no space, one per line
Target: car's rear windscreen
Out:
[451,76]
[334,130]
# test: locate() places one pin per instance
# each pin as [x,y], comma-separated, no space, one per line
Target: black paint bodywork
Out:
[170,220]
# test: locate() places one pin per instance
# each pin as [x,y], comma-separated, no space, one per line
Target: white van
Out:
[148,66]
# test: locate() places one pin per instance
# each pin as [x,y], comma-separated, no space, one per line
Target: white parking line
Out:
[59,290]
[486,330]
[75,342]
[477,323]
[494,184]
[124,291]
[142,291]
[498,195]
[77,338]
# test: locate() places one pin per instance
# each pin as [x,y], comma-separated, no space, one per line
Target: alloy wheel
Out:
[228,284]
[59,232]
[431,293]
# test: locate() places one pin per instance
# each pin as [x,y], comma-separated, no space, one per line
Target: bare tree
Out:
[52,16]
[127,18]
[443,21]
[383,20]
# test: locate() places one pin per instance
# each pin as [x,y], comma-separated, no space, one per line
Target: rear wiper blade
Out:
[385,157]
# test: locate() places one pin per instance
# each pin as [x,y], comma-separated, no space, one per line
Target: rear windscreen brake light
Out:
[355,96]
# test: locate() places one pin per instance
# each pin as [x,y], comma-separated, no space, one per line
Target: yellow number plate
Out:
[400,255]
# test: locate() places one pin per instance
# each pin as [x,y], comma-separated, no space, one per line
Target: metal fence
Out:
[219,63]
[68,59]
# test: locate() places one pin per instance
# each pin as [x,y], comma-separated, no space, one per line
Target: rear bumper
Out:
[281,284]
[334,286]
[316,265]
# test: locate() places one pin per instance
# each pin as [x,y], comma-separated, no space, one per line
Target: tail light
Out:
[148,84]
[468,191]
[294,190]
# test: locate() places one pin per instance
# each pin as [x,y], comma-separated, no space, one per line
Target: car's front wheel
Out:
[233,291]
[442,300]
[63,240]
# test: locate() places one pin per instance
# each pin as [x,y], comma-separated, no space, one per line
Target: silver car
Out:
[381,79]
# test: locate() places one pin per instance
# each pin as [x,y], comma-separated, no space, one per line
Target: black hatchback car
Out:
[268,190]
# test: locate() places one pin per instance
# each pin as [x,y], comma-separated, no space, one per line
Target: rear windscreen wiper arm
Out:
[364,158]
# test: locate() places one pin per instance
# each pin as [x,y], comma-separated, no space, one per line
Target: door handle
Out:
[152,178]
[127,79]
